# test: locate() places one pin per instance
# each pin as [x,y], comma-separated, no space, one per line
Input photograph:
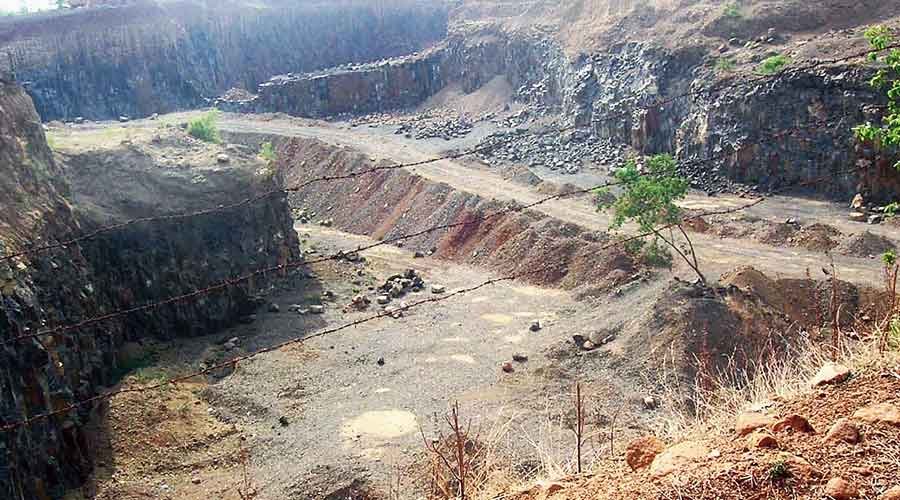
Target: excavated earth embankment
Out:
[47,202]
[392,202]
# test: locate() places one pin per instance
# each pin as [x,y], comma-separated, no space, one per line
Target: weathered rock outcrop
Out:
[768,133]
[154,57]
[130,267]
[471,58]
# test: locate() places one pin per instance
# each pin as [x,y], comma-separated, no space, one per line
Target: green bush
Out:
[733,10]
[773,64]
[726,64]
[204,128]
[267,152]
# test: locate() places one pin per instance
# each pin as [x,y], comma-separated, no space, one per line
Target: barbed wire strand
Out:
[228,283]
[451,156]
[233,362]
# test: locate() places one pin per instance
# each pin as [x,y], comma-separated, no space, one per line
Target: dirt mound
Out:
[865,244]
[492,97]
[710,330]
[799,466]
[815,237]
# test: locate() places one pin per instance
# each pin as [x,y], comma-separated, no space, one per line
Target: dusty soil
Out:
[351,422]
[726,469]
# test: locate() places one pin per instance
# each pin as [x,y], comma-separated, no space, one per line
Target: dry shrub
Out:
[464,464]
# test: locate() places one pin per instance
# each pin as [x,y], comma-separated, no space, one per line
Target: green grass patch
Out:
[267,152]
[205,129]
[774,64]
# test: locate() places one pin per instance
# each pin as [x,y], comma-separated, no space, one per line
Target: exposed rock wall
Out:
[471,58]
[131,267]
[768,133]
[154,57]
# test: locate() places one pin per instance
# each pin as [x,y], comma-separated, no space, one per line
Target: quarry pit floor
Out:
[329,419]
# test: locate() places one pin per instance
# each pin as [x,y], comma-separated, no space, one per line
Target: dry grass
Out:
[707,409]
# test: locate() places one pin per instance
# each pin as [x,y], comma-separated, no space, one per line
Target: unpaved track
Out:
[717,255]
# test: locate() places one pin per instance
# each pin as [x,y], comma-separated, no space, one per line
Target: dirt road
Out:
[716,254]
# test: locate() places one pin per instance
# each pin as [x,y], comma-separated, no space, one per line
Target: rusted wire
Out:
[610,117]
[293,264]
[298,340]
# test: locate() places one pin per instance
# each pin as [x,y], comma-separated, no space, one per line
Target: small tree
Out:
[204,128]
[649,201]
[887,135]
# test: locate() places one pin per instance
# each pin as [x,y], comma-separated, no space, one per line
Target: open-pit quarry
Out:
[353,251]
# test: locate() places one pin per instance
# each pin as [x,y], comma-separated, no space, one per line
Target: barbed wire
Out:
[233,362]
[231,282]
[450,156]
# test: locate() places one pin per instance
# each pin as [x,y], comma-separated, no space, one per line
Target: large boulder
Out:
[641,452]
[751,421]
[679,458]
[883,413]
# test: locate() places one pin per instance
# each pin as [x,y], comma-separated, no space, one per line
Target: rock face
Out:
[133,266]
[154,57]
[768,135]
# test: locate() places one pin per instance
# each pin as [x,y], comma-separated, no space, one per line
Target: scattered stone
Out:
[751,421]
[418,255]
[383,299]
[394,312]
[535,326]
[380,361]
[650,403]
[858,203]
[843,430]
[283,421]
[124,119]
[883,413]
[520,358]
[830,374]
[601,337]
[857,216]
[891,494]
[875,219]
[438,289]
[795,423]
[317,309]
[761,439]
[196,480]
[839,489]
[508,367]
[640,453]
[223,158]
[588,345]
[274,308]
